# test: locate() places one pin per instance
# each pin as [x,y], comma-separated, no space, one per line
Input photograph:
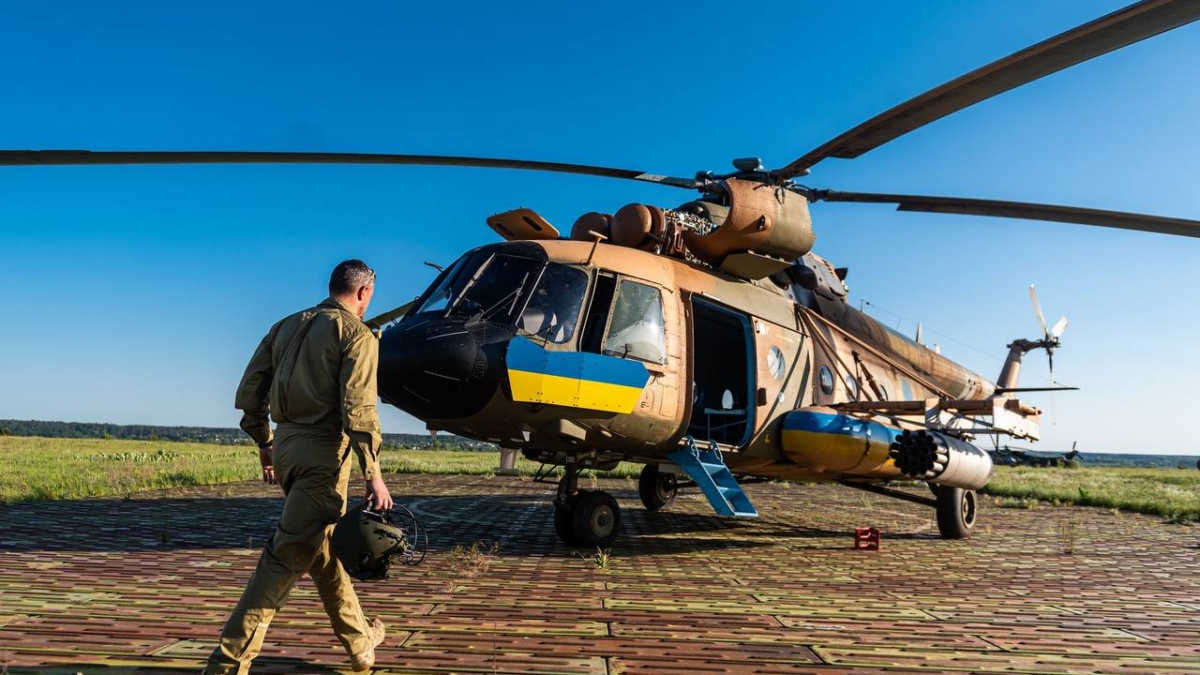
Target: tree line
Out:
[222,436]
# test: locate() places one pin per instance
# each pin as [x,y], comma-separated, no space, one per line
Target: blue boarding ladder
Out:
[707,469]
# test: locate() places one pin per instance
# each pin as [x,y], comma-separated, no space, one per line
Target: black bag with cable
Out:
[369,542]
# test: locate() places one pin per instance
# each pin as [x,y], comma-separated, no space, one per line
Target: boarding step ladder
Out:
[707,469]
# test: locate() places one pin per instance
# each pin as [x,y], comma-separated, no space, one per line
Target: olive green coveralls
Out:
[315,374]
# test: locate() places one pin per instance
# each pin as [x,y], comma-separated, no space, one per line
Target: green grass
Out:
[1171,493]
[38,469]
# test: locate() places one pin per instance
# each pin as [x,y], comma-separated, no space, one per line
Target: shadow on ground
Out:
[522,523]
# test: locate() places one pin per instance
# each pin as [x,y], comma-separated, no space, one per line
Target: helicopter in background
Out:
[708,340]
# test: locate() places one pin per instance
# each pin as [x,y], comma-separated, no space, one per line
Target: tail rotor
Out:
[1050,341]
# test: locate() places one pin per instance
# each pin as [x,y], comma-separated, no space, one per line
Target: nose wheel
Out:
[657,488]
[564,522]
[585,518]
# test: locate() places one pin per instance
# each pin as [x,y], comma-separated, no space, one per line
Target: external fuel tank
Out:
[835,443]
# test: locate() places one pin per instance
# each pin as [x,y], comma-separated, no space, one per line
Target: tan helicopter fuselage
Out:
[778,356]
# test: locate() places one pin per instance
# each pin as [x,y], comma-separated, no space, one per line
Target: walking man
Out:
[314,374]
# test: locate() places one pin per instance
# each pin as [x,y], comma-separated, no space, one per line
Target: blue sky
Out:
[137,293]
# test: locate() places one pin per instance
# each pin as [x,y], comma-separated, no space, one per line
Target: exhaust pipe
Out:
[941,459]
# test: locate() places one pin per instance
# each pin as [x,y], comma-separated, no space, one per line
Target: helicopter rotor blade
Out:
[88,157]
[1108,33]
[1020,210]
[1037,309]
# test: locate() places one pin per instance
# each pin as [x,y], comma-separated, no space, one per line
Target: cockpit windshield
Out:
[445,291]
[489,284]
[553,309]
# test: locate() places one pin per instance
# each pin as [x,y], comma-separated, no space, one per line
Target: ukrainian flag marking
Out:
[838,440]
[574,379]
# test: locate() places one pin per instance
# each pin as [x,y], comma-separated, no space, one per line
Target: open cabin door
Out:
[723,374]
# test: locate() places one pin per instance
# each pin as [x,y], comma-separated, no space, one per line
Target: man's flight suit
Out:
[314,373]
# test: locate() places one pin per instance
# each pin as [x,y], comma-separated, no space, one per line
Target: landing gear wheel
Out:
[956,511]
[656,488]
[597,519]
[564,521]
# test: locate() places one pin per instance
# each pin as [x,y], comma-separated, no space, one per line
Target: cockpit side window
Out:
[553,309]
[636,328]
[597,313]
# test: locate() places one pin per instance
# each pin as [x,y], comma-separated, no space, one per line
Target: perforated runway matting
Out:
[142,585]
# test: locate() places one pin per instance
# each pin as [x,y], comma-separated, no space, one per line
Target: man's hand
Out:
[378,496]
[264,458]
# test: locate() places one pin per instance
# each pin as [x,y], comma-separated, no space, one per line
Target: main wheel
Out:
[956,512]
[656,488]
[597,519]
[564,521]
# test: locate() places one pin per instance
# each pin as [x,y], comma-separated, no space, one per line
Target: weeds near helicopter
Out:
[708,340]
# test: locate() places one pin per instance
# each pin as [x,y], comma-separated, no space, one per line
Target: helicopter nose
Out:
[439,368]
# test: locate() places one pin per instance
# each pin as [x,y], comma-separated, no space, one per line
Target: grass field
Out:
[36,469]
[1171,493]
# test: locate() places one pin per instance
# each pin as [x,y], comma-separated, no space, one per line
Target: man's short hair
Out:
[349,276]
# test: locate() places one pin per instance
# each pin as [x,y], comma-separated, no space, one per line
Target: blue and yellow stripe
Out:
[835,441]
[574,379]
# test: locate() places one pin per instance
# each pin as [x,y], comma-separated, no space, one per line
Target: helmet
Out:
[368,542]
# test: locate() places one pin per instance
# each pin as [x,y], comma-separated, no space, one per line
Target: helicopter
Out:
[707,341]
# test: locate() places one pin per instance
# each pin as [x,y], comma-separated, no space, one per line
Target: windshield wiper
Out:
[510,298]
[462,295]
[487,313]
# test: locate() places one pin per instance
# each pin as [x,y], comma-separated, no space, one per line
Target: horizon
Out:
[1040,451]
